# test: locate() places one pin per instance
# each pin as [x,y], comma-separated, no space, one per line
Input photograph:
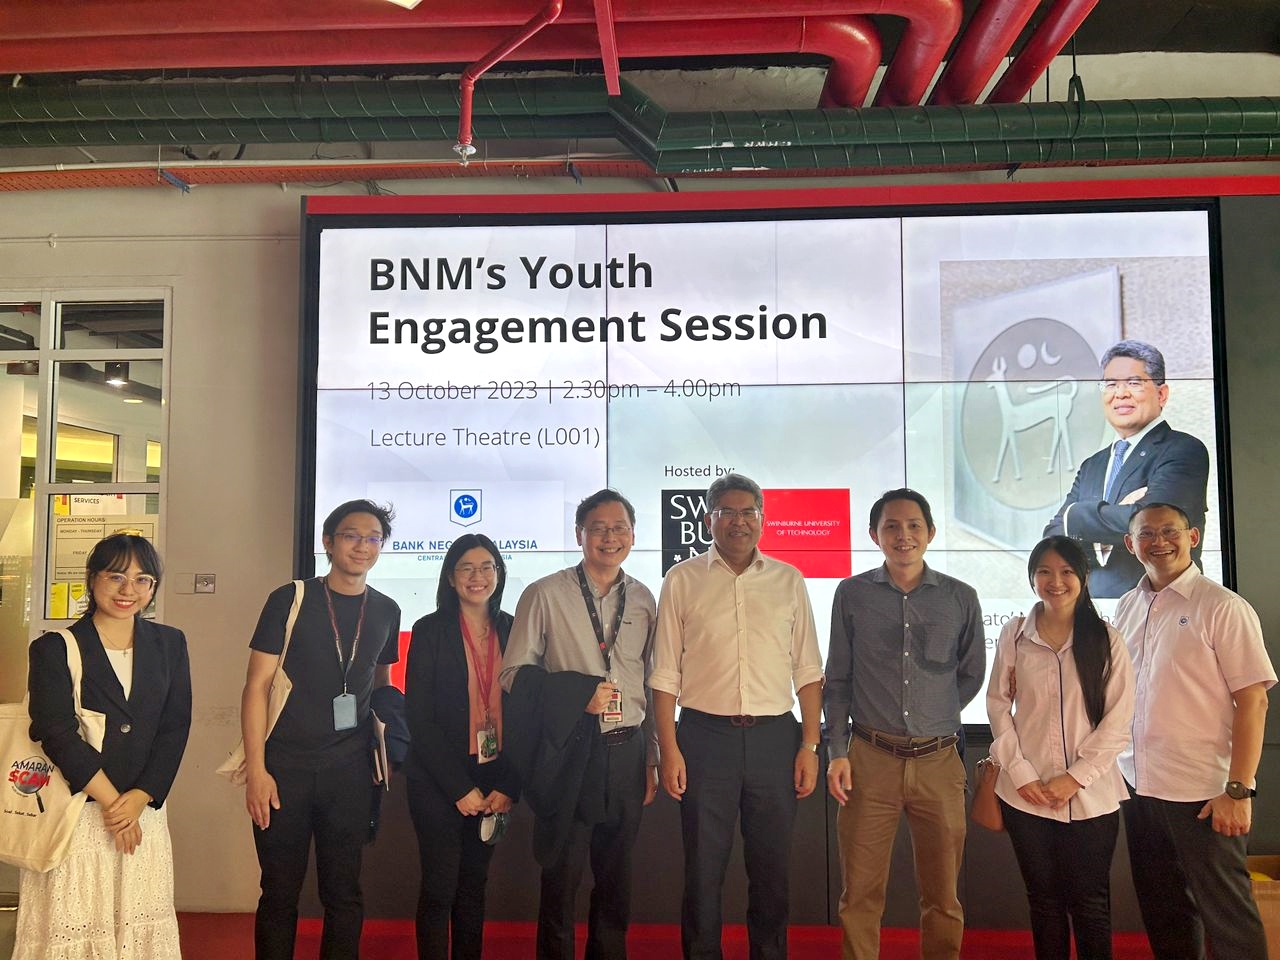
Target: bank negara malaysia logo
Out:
[465,507]
[1030,412]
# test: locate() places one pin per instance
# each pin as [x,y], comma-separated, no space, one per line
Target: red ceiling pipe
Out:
[1046,43]
[608,47]
[543,18]
[65,19]
[986,41]
[155,34]
[931,27]
[852,43]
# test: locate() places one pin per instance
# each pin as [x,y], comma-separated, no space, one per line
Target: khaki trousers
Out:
[930,790]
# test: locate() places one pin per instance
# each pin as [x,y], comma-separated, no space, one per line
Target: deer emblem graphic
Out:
[1048,402]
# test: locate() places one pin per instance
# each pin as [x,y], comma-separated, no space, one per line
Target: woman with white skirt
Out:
[112,898]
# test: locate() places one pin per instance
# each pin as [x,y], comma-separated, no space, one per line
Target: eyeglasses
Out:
[1135,385]
[467,570]
[599,531]
[750,515]
[116,581]
[353,539]
[1172,534]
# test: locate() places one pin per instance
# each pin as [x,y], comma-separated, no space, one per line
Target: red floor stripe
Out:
[221,936]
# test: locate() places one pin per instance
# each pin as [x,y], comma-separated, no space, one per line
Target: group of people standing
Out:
[570,706]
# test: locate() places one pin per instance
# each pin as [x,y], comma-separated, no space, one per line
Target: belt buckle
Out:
[742,720]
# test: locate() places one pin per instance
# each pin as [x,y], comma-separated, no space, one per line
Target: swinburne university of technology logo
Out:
[465,507]
[28,777]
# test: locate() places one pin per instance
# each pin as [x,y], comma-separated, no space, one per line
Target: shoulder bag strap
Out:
[75,665]
[299,588]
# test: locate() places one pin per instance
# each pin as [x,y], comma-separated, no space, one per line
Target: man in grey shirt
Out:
[907,653]
[593,621]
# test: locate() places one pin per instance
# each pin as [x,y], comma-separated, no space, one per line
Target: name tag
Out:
[344,711]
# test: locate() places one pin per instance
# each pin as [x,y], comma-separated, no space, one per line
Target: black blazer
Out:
[146,734]
[556,748]
[438,710]
[1173,466]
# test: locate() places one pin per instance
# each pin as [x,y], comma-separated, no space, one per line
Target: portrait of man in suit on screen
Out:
[1148,461]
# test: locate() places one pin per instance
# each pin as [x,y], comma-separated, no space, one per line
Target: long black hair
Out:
[447,595]
[113,555]
[1090,642]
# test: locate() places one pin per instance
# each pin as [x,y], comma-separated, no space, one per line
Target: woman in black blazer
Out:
[456,770]
[113,895]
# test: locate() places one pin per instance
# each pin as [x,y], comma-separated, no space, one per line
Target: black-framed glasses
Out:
[353,539]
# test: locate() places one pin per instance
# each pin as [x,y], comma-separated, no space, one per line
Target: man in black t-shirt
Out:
[312,777]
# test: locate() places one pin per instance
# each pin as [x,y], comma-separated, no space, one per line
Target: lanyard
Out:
[605,648]
[337,637]
[483,677]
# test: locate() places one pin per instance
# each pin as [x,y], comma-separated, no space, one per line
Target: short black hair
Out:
[113,554]
[447,594]
[343,510]
[599,498]
[1160,505]
[902,493]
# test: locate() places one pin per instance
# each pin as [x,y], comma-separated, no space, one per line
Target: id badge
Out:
[613,709]
[486,744]
[344,711]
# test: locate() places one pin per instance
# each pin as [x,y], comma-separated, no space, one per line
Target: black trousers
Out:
[330,805]
[1067,870]
[455,867]
[732,771]
[608,846]
[1191,881]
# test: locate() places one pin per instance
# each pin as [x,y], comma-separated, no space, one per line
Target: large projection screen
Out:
[486,372]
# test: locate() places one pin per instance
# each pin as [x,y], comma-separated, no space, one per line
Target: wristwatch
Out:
[811,747]
[1238,791]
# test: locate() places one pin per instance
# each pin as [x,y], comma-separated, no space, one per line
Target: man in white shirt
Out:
[735,638]
[1202,679]
[1148,461]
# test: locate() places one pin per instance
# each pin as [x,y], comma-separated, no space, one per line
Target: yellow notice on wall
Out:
[67,601]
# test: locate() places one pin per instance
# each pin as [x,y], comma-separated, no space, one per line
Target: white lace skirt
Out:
[101,904]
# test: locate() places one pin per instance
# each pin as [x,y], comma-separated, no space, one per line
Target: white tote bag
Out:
[233,768]
[38,811]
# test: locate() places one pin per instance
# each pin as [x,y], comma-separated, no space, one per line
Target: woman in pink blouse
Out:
[1061,704]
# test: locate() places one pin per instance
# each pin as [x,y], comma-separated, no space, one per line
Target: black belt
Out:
[734,720]
[904,748]
[616,737]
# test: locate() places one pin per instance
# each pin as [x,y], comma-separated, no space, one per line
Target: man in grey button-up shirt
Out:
[907,653]
[612,639]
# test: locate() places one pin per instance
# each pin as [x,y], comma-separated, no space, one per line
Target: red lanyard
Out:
[483,677]
[337,637]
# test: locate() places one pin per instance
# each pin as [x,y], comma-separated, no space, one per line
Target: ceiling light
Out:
[116,372]
[132,400]
[407,4]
